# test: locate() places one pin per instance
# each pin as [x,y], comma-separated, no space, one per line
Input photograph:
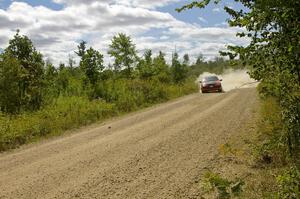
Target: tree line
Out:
[38,99]
[27,82]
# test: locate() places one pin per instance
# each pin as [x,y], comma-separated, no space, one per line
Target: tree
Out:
[61,66]
[10,89]
[161,58]
[50,71]
[186,59]
[92,65]
[91,62]
[179,71]
[81,49]
[200,59]
[51,88]
[161,69]
[148,56]
[124,52]
[31,62]
[145,66]
[71,62]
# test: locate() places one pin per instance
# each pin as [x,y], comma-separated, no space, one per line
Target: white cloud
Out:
[55,33]
[164,37]
[223,24]
[216,10]
[202,19]
[131,3]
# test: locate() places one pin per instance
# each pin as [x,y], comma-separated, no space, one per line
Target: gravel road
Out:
[159,152]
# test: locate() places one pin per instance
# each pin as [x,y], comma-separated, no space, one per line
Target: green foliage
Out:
[38,99]
[27,73]
[92,65]
[270,147]
[10,75]
[196,4]
[148,56]
[91,62]
[69,82]
[72,96]
[161,69]
[179,71]
[129,95]
[273,56]
[217,66]
[145,66]
[66,113]
[50,90]
[200,60]
[186,59]
[272,154]
[289,184]
[224,188]
[123,51]
[81,49]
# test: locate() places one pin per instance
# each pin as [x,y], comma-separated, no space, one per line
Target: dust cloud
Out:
[233,79]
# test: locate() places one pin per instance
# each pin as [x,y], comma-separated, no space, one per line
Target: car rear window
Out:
[210,79]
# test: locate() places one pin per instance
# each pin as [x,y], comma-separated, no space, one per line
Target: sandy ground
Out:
[156,153]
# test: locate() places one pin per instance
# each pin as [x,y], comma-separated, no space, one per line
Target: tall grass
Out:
[66,113]
[69,112]
[271,132]
[272,150]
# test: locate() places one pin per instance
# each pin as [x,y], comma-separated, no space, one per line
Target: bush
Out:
[129,95]
[66,113]
[289,184]
[223,188]
[271,147]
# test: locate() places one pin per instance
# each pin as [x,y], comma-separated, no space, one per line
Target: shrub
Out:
[289,184]
[272,136]
[223,187]
[66,113]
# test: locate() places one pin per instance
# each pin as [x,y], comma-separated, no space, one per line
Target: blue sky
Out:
[56,26]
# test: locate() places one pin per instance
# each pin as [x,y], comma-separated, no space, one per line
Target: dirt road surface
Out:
[156,153]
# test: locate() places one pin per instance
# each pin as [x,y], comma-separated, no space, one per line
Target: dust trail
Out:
[233,79]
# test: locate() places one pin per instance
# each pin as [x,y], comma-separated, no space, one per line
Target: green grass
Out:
[222,188]
[272,151]
[275,175]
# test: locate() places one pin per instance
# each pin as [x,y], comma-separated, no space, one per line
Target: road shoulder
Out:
[237,162]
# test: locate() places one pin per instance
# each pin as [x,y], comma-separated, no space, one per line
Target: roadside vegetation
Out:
[218,66]
[38,99]
[273,58]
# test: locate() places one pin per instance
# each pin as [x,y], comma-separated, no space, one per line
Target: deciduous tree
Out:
[179,71]
[31,62]
[124,52]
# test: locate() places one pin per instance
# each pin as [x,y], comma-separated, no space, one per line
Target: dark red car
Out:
[211,84]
